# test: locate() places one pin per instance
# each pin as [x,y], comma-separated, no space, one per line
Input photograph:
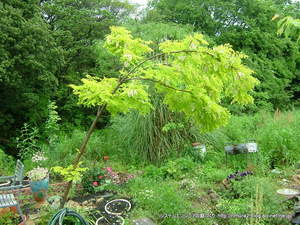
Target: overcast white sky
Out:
[141,2]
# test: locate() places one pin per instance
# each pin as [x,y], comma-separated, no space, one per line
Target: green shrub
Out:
[255,196]
[93,178]
[7,164]
[159,198]
[152,171]
[178,168]
[9,219]
[174,169]
[27,141]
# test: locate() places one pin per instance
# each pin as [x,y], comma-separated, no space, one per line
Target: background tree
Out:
[29,60]
[44,46]
[77,26]
[247,26]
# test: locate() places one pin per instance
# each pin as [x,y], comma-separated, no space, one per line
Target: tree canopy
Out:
[193,78]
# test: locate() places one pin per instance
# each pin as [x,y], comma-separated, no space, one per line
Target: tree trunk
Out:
[82,151]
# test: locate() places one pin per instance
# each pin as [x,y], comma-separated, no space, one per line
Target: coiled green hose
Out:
[58,218]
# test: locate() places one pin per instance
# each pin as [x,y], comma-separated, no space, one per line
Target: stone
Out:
[214,197]
[54,201]
[107,195]
[89,203]
[72,204]
[284,182]
[143,221]
[276,171]
[99,200]
[296,178]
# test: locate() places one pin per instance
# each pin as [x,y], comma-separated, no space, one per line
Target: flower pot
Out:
[7,210]
[39,189]
[288,193]
[112,219]
[199,148]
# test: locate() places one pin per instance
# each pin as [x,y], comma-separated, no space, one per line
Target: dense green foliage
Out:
[248,27]
[41,55]
[288,26]
[29,59]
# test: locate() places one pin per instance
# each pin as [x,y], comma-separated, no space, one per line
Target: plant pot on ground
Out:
[11,209]
[39,183]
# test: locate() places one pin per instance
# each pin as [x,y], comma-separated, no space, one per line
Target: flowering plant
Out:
[38,173]
[97,179]
[94,177]
[39,156]
[239,175]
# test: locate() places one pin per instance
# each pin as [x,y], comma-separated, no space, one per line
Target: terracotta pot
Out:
[8,209]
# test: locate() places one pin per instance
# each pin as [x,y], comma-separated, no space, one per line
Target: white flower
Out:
[38,173]
[132,93]
[39,156]
[128,56]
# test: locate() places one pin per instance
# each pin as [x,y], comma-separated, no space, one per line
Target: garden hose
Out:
[58,218]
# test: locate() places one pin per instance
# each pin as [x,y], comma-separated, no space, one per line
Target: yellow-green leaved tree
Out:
[192,78]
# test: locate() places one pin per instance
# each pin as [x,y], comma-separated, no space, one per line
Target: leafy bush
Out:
[7,164]
[158,199]
[178,168]
[175,169]
[51,125]
[94,178]
[153,172]
[253,195]
[9,219]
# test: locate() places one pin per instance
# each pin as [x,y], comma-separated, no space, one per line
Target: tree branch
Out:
[158,55]
[161,83]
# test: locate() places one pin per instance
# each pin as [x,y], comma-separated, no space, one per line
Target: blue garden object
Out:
[39,189]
